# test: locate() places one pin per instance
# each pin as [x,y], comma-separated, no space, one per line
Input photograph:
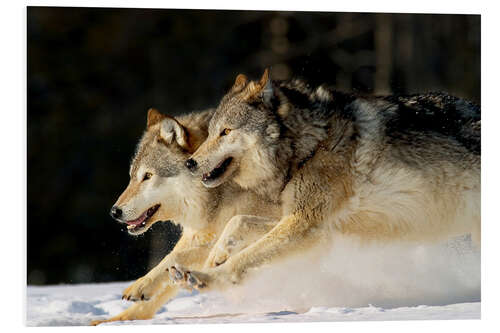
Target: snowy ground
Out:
[402,282]
[79,304]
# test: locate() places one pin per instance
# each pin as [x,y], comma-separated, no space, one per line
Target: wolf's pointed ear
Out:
[154,117]
[240,83]
[171,129]
[266,87]
[262,90]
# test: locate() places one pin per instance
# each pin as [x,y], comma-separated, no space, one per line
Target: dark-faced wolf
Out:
[379,168]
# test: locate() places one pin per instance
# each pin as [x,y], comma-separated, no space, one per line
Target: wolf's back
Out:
[437,113]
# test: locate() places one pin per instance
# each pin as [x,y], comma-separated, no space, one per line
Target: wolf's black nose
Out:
[115,212]
[191,164]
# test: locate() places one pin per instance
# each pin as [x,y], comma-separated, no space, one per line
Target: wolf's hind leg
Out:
[240,231]
[143,310]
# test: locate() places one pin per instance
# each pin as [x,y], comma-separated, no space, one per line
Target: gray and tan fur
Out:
[378,168]
[215,221]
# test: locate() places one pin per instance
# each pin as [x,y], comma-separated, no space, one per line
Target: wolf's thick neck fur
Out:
[200,206]
[304,119]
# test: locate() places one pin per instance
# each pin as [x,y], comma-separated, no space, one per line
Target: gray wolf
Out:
[377,168]
[214,221]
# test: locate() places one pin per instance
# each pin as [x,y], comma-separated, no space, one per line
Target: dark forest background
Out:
[93,73]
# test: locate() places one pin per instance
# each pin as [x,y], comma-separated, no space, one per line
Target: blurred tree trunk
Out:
[383,54]
[404,42]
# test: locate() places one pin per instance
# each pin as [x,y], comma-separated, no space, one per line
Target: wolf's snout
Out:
[115,212]
[191,164]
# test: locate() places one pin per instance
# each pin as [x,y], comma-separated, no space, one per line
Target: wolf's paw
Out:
[132,313]
[217,258]
[142,289]
[222,250]
[187,279]
[135,291]
[97,322]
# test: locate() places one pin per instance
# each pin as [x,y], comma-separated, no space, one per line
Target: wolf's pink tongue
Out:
[138,220]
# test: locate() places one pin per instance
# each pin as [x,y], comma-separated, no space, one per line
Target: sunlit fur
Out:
[377,168]
[203,213]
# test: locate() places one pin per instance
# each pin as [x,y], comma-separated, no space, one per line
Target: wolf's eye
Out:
[147,175]
[226,131]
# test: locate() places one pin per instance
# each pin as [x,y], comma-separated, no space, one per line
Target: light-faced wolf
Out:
[377,168]
[215,222]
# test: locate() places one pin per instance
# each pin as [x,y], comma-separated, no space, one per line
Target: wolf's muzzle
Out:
[191,165]
[115,212]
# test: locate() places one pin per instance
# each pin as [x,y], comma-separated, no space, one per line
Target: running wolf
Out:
[378,168]
[161,188]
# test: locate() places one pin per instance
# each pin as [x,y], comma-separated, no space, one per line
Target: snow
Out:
[70,305]
[351,283]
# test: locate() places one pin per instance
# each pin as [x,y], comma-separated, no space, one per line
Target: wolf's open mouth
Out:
[141,221]
[217,171]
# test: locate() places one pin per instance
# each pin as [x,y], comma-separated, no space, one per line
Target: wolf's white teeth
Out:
[130,227]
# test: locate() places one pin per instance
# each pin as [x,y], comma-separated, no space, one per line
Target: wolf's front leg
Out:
[158,278]
[313,198]
[147,286]
[143,310]
[292,234]
[240,232]
[188,251]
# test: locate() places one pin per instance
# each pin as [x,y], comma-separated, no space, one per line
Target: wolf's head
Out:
[160,186]
[243,137]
